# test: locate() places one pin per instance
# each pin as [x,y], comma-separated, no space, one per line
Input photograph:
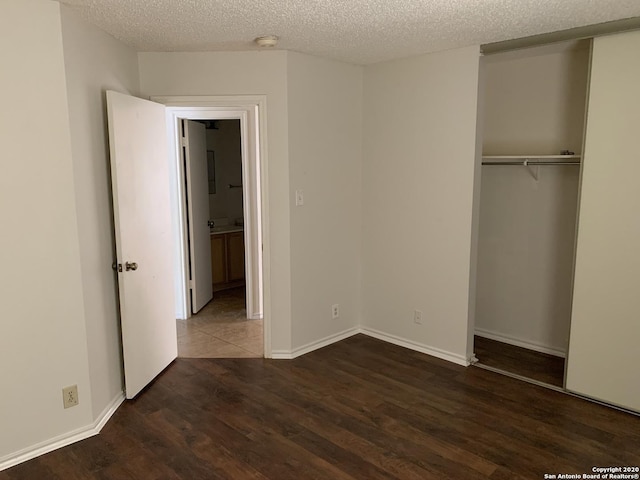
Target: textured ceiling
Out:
[355,31]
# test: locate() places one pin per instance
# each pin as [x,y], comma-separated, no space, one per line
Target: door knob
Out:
[211,224]
[130,266]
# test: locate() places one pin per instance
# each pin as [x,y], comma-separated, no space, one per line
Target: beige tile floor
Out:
[221,330]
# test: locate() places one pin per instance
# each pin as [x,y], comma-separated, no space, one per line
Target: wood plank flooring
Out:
[358,409]
[521,361]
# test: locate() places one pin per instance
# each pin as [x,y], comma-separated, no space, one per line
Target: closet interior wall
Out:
[534,105]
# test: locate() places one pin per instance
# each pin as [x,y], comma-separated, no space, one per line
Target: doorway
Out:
[236,323]
[219,326]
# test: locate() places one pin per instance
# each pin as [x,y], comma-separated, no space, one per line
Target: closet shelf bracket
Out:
[534,169]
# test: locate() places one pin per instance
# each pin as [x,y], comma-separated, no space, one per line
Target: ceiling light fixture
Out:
[267,41]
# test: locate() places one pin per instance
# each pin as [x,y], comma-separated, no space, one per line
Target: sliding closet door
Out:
[604,348]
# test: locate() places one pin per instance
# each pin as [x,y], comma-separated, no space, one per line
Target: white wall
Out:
[95,62]
[534,104]
[418,178]
[243,73]
[325,153]
[525,256]
[226,145]
[43,345]
[535,100]
[605,324]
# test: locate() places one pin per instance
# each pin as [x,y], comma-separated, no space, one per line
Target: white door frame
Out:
[251,112]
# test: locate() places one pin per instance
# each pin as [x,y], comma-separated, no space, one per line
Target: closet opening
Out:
[533,129]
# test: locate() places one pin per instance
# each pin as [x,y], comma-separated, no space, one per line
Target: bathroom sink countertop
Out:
[226,229]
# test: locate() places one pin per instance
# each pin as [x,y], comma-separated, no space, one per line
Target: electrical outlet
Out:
[335,310]
[417,317]
[70,396]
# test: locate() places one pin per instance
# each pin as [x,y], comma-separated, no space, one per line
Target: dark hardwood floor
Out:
[358,409]
[521,361]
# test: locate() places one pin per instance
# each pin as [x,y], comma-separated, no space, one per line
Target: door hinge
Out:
[183,142]
[191,284]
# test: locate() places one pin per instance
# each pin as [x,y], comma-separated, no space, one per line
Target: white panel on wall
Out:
[419,163]
[605,325]
[325,151]
[95,61]
[43,341]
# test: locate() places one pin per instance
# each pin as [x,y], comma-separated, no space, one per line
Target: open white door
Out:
[142,214]
[195,159]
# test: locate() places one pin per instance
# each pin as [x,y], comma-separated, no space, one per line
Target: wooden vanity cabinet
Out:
[227,260]
[218,260]
[235,256]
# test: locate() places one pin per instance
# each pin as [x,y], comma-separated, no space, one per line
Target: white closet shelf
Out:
[524,157]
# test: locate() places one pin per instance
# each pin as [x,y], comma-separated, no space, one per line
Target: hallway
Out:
[221,330]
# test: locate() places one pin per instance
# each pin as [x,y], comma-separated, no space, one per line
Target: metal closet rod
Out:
[532,162]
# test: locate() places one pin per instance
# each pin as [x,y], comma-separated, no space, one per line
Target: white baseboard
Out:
[108,412]
[64,439]
[418,347]
[402,342]
[310,347]
[281,355]
[519,342]
[256,316]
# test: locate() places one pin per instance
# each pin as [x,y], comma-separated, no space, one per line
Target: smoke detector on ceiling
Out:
[267,41]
